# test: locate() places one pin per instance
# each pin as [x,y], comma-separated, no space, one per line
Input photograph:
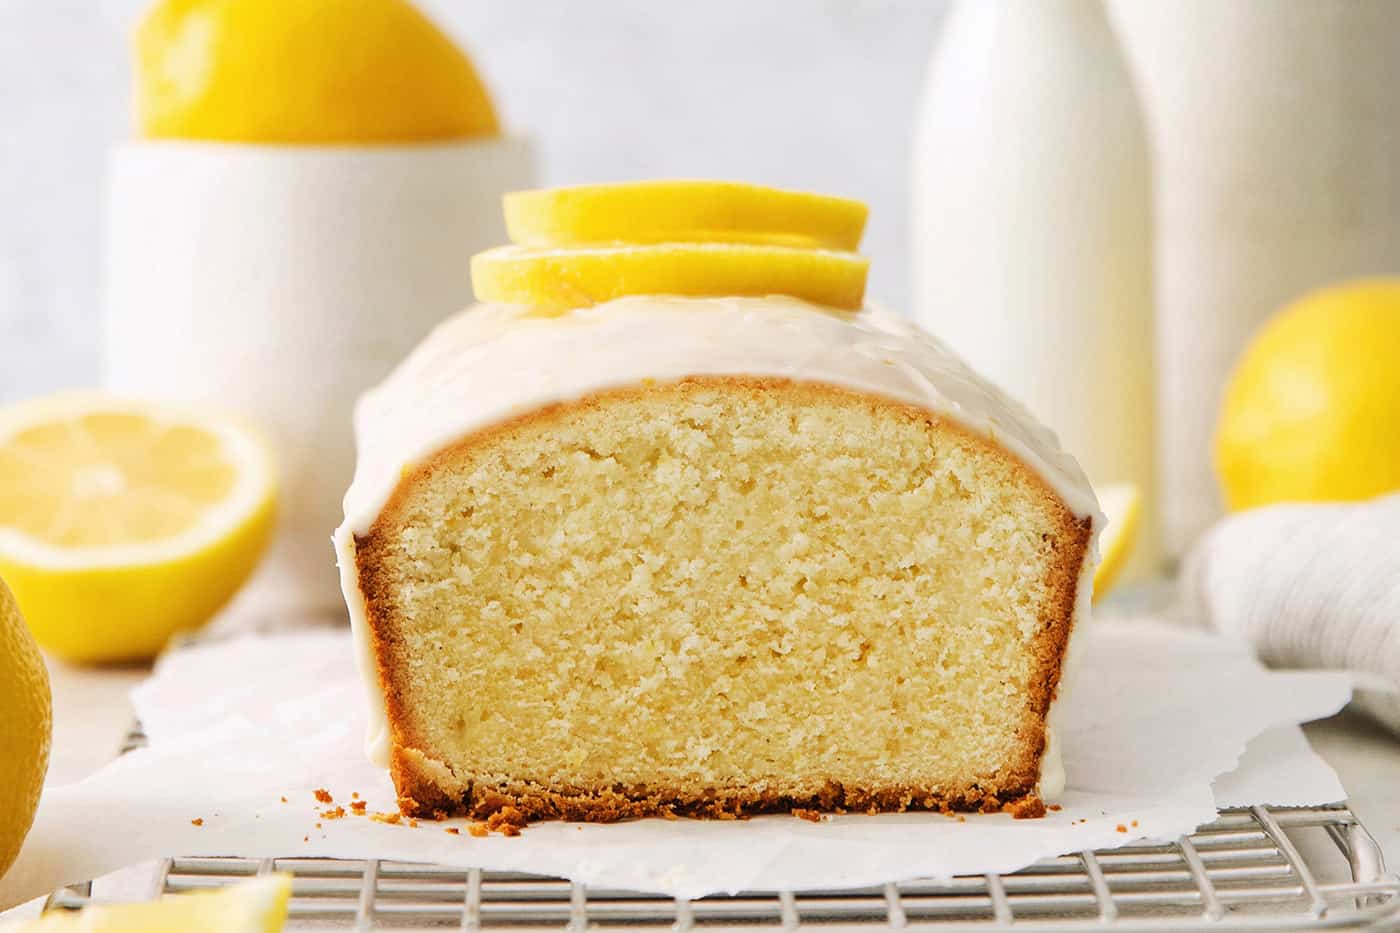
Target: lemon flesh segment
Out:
[1121,504]
[26,728]
[123,523]
[258,905]
[556,280]
[313,72]
[683,211]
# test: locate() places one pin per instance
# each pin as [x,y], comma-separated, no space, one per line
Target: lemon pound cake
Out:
[707,556]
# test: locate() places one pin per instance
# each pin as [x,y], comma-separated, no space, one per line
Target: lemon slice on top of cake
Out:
[688,211]
[706,544]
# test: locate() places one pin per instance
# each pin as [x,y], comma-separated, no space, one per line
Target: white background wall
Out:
[806,93]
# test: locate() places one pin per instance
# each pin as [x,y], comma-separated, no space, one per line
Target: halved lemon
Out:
[560,279]
[1121,504]
[122,522]
[258,905]
[683,211]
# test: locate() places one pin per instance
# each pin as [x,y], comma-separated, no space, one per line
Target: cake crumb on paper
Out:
[284,798]
[358,807]
[453,830]
[1121,828]
[811,816]
[1054,806]
[197,821]
[333,814]
[1029,807]
[478,830]
[507,821]
[323,795]
[392,817]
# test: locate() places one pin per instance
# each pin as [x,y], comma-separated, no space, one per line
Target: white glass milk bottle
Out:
[1032,227]
[1275,127]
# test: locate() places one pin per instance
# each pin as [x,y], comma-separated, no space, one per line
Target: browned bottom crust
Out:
[422,794]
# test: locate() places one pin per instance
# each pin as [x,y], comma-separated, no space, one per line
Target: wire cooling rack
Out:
[1258,868]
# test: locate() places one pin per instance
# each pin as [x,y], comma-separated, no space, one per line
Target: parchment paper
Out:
[1153,718]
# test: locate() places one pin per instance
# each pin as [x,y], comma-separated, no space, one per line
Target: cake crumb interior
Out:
[721,584]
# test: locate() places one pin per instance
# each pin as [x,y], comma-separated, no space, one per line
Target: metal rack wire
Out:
[1247,870]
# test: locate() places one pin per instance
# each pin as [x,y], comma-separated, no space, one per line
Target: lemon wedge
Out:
[308,72]
[561,279]
[1122,506]
[683,211]
[258,905]
[122,523]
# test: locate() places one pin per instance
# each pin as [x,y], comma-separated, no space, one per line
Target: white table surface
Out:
[92,714]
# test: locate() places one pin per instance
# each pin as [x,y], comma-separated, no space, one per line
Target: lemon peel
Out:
[683,211]
[325,72]
[1121,504]
[26,728]
[562,279]
[1311,410]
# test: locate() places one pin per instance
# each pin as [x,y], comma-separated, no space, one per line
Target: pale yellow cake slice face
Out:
[719,596]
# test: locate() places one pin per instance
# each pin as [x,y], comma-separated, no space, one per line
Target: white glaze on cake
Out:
[491,363]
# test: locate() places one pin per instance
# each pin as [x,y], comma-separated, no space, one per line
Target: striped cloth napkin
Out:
[1310,586]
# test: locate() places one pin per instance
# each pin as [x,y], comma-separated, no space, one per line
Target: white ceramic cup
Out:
[280,282]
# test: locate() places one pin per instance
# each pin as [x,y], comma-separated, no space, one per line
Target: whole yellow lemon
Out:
[304,71]
[1312,411]
[26,728]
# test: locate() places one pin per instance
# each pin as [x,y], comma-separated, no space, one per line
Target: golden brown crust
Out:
[425,799]
[429,788]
